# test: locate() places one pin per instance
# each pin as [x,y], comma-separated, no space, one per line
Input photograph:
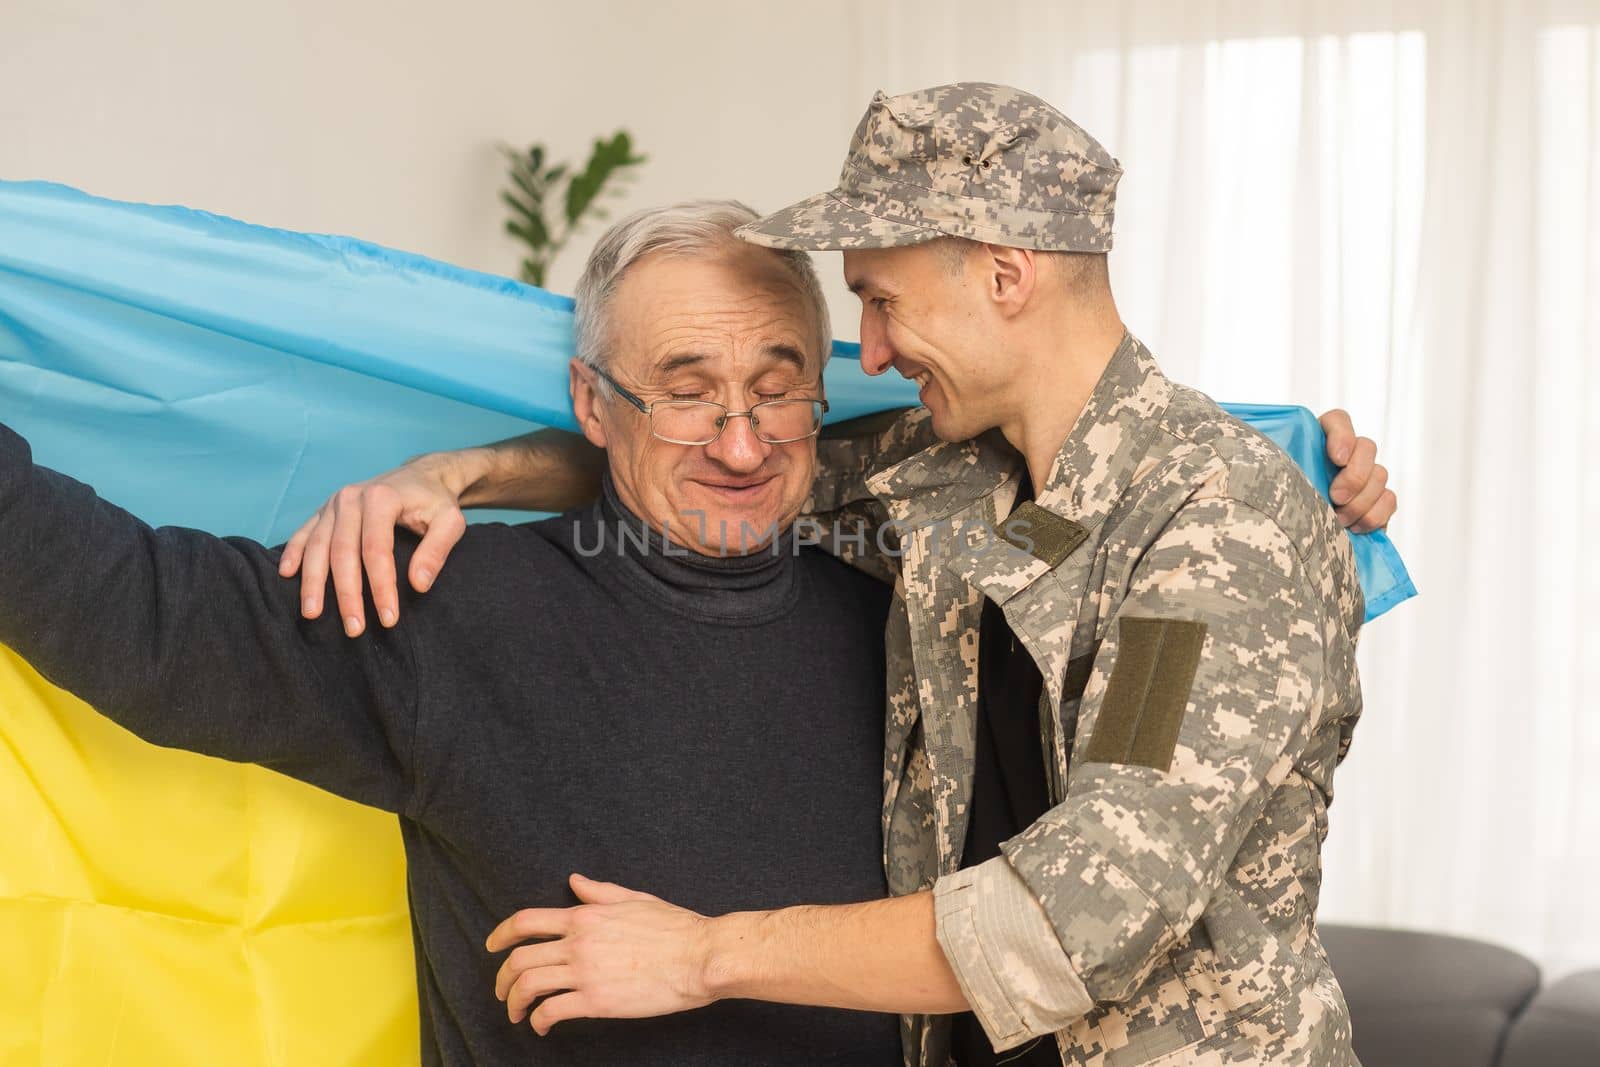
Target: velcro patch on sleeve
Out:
[1149,688]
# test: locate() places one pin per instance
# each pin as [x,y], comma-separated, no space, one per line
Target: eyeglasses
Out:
[700,422]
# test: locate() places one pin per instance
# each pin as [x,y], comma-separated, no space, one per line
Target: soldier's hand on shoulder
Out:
[1360,492]
[355,530]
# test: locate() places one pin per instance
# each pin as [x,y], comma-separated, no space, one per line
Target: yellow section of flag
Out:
[164,909]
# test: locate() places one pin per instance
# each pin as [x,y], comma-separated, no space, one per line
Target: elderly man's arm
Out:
[193,641]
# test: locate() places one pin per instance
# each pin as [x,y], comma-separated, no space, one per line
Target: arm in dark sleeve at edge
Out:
[193,641]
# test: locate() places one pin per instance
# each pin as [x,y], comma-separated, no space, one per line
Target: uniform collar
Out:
[1091,471]
[1099,458]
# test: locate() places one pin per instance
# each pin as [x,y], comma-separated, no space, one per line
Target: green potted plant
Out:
[536,188]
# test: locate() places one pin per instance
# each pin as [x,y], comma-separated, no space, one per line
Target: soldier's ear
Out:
[1010,276]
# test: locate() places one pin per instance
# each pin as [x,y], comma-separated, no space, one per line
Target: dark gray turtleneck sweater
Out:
[709,730]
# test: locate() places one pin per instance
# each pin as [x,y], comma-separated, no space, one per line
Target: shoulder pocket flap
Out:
[1042,534]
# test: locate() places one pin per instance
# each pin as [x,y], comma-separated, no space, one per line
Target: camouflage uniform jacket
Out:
[1193,605]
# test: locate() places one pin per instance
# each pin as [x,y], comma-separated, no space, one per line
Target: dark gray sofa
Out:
[1420,1000]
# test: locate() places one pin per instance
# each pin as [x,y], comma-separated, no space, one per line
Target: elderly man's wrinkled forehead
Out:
[728,311]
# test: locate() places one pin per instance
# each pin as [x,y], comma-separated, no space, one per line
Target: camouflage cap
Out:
[986,162]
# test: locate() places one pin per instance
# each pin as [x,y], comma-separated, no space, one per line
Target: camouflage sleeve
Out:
[842,515]
[1202,696]
[994,931]
[850,452]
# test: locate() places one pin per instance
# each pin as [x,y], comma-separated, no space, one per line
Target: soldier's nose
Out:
[876,352]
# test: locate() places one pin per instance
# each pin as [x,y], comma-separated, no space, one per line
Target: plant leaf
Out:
[606,174]
[531,218]
[605,159]
[530,189]
[535,239]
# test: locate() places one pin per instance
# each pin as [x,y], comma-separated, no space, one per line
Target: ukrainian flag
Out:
[166,909]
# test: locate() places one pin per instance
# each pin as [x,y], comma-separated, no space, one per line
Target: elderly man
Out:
[613,690]
[1121,654]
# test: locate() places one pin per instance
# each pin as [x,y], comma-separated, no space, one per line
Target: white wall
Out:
[379,118]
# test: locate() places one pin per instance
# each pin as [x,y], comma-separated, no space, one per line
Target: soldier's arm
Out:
[193,641]
[548,470]
[842,514]
[850,452]
[551,470]
[626,954]
[1201,697]
[1360,494]
[1204,693]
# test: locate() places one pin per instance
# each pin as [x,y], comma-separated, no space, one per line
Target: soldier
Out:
[1121,656]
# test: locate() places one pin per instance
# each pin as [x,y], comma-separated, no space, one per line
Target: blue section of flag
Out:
[206,372]
[1384,580]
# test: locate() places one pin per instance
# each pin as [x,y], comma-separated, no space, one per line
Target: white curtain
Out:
[1394,208]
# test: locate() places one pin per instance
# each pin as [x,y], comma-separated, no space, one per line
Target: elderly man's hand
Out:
[620,954]
[1360,494]
[356,527]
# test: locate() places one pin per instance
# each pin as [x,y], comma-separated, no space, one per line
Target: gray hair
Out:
[694,226]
